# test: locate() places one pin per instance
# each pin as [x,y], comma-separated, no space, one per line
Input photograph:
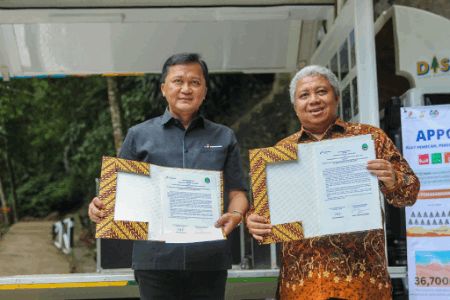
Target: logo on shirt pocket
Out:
[209,147]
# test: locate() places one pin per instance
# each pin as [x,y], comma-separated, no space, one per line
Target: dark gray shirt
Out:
[203,145]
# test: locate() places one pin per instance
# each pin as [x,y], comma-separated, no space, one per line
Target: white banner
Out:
[426,147]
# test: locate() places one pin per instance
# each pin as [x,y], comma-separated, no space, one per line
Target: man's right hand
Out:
[95,210]
[258,226]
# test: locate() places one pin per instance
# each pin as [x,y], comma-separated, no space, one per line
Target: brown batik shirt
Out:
[352,265]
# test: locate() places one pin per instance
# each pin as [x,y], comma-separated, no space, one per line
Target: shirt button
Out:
[186,151]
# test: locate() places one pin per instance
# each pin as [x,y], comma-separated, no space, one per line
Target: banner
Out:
[426,147]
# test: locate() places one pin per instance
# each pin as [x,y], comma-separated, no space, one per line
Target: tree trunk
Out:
[3,203]
[280,85]
[13,183]
[114,100]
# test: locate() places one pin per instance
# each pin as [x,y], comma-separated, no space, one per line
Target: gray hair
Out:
[313,70]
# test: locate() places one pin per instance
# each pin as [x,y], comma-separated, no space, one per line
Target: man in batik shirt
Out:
[341,266]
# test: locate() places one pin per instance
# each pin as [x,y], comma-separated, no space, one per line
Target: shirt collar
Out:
[167,119]
[337,126]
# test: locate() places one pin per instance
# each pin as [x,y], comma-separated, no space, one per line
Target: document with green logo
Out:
[191,204]
[328,188]
[175,205]
[350,198]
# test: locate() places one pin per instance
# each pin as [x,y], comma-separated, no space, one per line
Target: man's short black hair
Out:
[181,59]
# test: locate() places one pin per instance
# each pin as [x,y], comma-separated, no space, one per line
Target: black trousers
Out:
[181,285]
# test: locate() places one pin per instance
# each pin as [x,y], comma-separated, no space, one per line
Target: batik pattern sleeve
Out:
[406,188]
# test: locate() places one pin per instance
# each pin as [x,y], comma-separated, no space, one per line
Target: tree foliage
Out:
[53,130]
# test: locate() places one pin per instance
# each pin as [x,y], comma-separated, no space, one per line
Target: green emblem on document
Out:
[207,180]
[365,146]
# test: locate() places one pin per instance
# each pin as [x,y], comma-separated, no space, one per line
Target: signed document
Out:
[179,205]
[191,206]
[328,188]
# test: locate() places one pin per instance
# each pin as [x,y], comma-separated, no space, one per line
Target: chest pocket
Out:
[212,158]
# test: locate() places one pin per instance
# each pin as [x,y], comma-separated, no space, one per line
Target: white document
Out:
[328,188]
[191,206]
[180,205]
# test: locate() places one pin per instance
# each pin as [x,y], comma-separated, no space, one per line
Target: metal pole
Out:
[242,243]
[98,241]
[98,254]
[273,256]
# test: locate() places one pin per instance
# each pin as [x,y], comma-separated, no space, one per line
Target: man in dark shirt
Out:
[182,138]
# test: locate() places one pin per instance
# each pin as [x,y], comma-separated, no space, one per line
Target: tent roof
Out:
[81,41]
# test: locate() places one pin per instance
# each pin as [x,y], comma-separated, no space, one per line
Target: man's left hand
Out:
[228,222]
[384,171]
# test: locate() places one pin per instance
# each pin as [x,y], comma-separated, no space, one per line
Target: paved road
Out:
[27,248]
